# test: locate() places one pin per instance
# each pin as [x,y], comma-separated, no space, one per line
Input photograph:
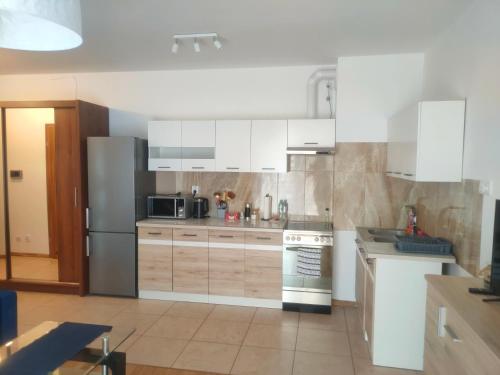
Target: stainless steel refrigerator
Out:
[118,184]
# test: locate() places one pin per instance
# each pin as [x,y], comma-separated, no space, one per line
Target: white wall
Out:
[371,89]
[135,97]
[464,63]
[28,220]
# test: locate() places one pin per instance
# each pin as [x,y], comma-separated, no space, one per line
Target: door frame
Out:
[50,139]
[35,285]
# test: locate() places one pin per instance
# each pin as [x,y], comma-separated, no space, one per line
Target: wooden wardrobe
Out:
[75,121]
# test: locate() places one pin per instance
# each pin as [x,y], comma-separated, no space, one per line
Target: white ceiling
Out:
[137,34]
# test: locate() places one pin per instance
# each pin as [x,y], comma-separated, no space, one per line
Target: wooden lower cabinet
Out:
[226,272]
[451,345]
[155,267]
[190,269]
[263,274]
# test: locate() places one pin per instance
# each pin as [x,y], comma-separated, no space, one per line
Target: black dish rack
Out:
[424,245]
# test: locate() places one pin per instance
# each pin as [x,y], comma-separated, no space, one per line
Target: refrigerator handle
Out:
[88,245]
[87,218]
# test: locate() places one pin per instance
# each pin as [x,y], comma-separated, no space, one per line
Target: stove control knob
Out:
[316,239]
[287,238]
[298,238]
[293,238]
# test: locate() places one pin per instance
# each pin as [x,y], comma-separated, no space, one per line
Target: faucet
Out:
[412,219]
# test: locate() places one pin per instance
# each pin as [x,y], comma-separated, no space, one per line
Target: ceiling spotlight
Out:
[175,46]
[196,45]
[217,43]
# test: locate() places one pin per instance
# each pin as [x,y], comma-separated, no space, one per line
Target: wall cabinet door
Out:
[269,142]
[198,145]
[311,133]
[425,142]
[164,142]
[233,145]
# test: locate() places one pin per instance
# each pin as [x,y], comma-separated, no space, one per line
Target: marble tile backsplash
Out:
[308,186]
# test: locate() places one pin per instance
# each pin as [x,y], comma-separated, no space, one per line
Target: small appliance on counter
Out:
[171,206]
[200,207]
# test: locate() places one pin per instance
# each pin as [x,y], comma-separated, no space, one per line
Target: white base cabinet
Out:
[425,142]
[391,294]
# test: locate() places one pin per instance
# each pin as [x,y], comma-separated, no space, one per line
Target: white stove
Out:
[307,266]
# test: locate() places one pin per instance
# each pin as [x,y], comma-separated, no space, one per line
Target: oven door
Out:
[295,280]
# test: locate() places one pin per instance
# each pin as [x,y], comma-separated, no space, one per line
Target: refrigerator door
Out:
[111,173]
[113,264]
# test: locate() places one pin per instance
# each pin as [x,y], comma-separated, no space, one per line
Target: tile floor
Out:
[218,338]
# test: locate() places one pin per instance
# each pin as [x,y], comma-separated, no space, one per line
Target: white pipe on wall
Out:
[327,74]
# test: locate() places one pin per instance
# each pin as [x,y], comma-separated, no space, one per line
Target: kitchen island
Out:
[211,260]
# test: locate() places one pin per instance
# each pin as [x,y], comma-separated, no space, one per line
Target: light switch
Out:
[485,187]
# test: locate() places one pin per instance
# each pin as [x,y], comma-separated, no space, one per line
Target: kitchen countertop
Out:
[388,250]
[212,222]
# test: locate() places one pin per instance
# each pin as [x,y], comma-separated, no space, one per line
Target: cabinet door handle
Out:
[189,235]
[154,233]
[224,236]
[409,174]
[452,334]
[76,203]
[87,218]
[264,238]
[232,168]
[397,172]
[268,169]
[160,167]
[87,245]
[197,167]
[310,143]
[389,172]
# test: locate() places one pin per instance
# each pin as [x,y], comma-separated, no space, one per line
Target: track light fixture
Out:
[196,40]
[196,46]
[175,46]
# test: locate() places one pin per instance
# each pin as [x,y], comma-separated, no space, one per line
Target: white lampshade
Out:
[40,25]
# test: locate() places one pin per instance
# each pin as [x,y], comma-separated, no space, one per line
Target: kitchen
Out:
[257,119]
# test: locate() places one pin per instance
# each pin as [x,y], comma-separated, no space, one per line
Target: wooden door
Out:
[50,152]
[67,169]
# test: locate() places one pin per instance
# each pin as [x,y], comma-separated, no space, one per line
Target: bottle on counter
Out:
[248,212]
[327,217]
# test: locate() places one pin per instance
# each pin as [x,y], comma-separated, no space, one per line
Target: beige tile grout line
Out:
[296,341]
[244,337]
[194,334]
[350,344]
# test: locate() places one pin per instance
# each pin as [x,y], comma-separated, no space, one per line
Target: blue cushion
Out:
[8,316]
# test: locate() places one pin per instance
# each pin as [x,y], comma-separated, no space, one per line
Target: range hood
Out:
[310,150]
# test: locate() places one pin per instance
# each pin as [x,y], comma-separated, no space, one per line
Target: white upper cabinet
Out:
[269,143]
[164,141]
[198,145]
[232,153]
[311,133]
[425,142]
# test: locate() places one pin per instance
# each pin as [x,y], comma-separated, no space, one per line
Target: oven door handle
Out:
[297,247]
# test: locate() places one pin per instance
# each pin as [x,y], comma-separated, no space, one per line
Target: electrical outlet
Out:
[18,238]
[27,238]
[195,189]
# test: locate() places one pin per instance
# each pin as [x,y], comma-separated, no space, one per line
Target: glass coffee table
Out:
[100,356]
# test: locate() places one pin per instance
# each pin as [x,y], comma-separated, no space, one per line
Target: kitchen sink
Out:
[386,232]
[386,239]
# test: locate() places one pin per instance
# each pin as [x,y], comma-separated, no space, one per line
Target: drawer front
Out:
[264,238]
[263,282]
[190,270]
[226,272]
[190,235]
[464,354]
[226,236]
[155,267]
[263,258]
[152,233]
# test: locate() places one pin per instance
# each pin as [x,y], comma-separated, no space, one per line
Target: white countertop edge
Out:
[415,257]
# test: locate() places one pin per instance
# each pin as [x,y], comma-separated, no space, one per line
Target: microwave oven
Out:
[170,206]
